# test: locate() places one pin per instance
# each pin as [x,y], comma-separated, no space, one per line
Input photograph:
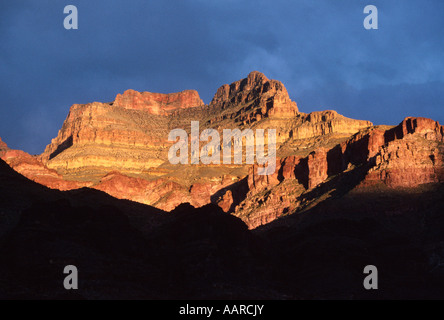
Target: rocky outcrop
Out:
[130,137]
[163,193]
[317,168]
[98,138]
[258,98]
[33,169]
[226,201]
[122,148]
[148,192]
[427,128]
[158,103]
[408,155]
[259,182]
[326,122]
[413,154]
[271,197]
[3,145]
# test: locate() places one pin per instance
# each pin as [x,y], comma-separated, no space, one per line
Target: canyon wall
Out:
[121,148]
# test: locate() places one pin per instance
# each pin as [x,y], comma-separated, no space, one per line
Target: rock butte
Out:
[158,103]
[121,148]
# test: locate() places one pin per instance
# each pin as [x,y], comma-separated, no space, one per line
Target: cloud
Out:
[318,49]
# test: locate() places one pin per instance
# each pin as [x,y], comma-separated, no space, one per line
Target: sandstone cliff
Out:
[33,169]
[257,97]
[128,137]
[3,145]
[408,155]
[121,148]
[158,103]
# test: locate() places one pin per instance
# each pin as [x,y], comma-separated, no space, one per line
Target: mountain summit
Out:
[266,97]
[122,148]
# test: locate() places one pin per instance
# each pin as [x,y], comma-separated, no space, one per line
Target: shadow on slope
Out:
[323,251]
[127,250]
[124,249]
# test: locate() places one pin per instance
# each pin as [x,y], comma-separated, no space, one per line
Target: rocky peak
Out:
[427,128]
[3,146]
[265,97]
[253,79]
[122,149]
[158,103]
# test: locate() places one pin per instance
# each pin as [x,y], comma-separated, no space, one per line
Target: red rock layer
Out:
[158,103]
[105,125]
[321,123]
[122,149]
[407,155]
[143,191]
[260,96]
[3,146]
[129,137]
[35,170]
[270,197]
[163,193]
[413,154]
[226,201]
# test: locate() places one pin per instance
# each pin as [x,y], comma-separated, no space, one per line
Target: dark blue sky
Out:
[318,49]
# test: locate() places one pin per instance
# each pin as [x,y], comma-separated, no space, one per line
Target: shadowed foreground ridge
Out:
[126,250]
[103,197]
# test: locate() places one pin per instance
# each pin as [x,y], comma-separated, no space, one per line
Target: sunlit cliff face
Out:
[122,148]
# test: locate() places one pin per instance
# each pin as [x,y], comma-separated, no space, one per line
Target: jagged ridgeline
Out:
[122,148]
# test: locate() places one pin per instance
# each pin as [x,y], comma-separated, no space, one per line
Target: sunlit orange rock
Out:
[121,148]
[33,169]
[144,191]
[3,146]
[260,96]
[158,103]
